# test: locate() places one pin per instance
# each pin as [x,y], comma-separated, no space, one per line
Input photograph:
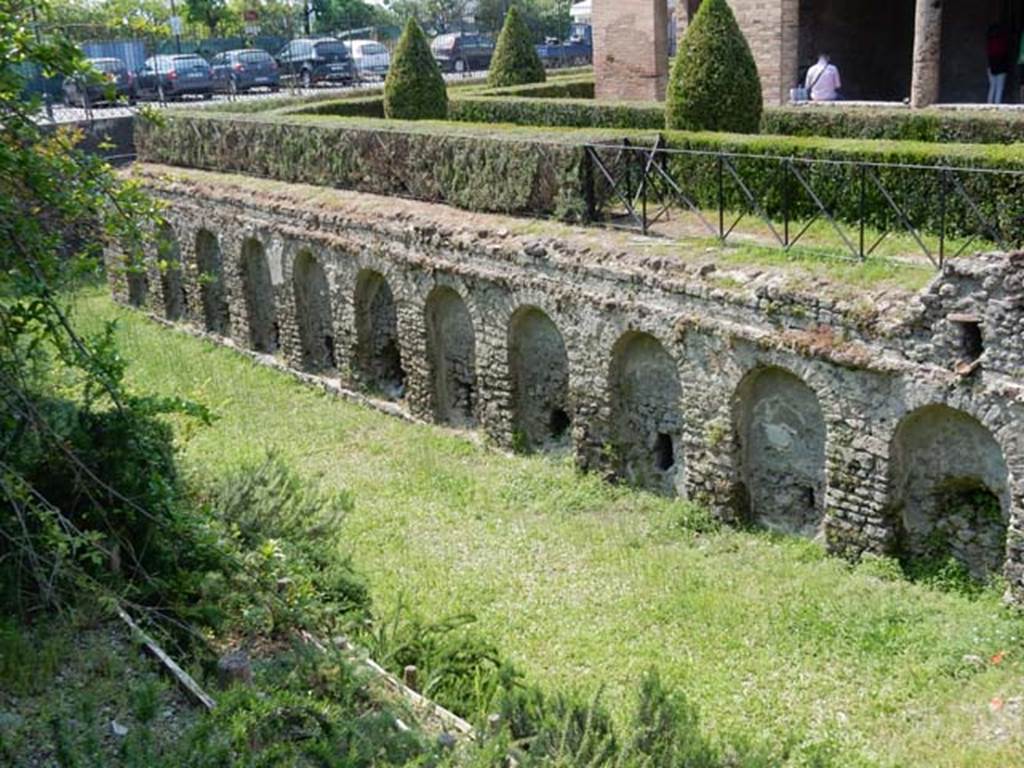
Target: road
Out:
[66,114]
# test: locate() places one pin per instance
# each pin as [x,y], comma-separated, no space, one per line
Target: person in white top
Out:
[823,81]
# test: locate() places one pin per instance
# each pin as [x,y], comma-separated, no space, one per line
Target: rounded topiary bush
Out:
[414,89]
[515,60]
[714,84]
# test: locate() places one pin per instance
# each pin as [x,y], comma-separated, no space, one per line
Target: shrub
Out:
[568,113]
[414,89]
[714,84]
[515,60]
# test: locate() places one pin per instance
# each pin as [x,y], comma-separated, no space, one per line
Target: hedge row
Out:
[541,172]
[566,113]
[936,125]
[436,162]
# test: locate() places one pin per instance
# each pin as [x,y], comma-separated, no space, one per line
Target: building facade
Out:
[922,51]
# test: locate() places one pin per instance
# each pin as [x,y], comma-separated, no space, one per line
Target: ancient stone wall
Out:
[885,422]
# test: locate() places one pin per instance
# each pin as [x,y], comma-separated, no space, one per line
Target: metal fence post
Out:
[721,197]
[862,212]
[943,189]
[785,202]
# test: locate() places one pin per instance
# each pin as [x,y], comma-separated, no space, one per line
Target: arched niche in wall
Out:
[451,354]
[780,432]
[539,370]
[258,291]
[168,254]
[210,277]
[378,359]
[645,408]
[313,313]
[950,489]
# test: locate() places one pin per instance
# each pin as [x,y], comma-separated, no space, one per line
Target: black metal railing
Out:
[943,209]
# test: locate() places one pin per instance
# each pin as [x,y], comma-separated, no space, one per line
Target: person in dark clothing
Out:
[997,49]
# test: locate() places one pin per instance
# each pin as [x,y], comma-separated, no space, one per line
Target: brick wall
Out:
[630,49]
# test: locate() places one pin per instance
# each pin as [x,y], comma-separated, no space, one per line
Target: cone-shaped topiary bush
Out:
[515,60]
[714,84]
[414,89]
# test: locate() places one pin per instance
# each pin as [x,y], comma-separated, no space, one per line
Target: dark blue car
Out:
[316,60]
[244,69]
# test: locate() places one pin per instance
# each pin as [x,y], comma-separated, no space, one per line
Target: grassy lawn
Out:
[587,585]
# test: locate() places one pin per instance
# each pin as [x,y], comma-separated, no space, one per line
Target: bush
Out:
[568,113]
[457,165]
[414,89]
[714,84]
[933,125]
[515,60]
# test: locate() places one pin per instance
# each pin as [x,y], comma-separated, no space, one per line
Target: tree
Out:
[437,15]
[515,60]
[83,465]
[714,84]
[414,89]
[338,15]
[209,13]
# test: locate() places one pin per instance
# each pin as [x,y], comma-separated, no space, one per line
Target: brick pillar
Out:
[630,49]
[924,89]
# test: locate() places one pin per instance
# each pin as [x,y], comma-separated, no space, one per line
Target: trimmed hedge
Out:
[899,123]
[414,88]
[515,170]
[472,169]
[565,113]
[515,60]
[714,84]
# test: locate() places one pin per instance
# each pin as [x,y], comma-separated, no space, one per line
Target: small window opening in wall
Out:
[329,347]
[810,498]
[664,453]
[972,345]
[559,423]
[275,340]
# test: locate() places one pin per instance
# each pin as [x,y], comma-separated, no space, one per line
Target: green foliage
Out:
[439,163]
[335,15]
[457,667]
[414,88]
[209,13]
[570,112]
[942,126]
[515,60]
[714,84]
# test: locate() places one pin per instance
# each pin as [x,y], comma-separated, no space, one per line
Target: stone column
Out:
[630,49]
[924,89]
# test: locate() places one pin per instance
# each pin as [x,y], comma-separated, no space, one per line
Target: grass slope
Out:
[585,584]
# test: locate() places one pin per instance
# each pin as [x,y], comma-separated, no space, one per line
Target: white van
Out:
[371,59]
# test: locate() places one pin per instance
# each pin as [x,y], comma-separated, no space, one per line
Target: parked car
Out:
[115,83]
[316,60]
[370,58]
[168,78]
[244,69]
[576,51]
[462,52]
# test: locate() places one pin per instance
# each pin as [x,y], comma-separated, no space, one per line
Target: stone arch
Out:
[169,264]
[313,313]
[378,359]
[258,290]
[646,422]
[210,276]
[138,284]
[780,437]
[451,355]
[539,371]
[950,489]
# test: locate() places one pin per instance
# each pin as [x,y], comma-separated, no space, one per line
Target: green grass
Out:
[587,585]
